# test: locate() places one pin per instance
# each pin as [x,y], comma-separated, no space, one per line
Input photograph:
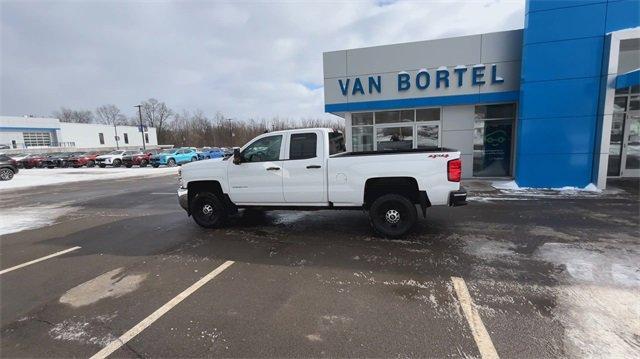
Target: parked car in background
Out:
[5,147]
[173,157]
[19,157]
[8,168]
[113,158]
[84,159]
[141,159]
[209,152]
[51,159]
[60,159]
[34,160]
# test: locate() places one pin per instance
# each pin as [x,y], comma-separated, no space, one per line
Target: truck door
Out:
[258,179]
[304,173]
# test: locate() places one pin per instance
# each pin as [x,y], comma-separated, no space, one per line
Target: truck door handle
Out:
[273,169]
[314,166]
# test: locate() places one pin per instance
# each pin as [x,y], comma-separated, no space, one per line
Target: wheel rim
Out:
[171,163]
[6,174]
[392,215]
[207,211]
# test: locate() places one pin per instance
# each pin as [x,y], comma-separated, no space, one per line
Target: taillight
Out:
[454,170]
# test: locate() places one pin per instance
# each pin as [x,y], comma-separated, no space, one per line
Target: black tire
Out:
[171,162]
[39,165]
[50,167]
[208,210]
[143,163]
[6,174]
[128,166]
[116,163]
[155,166]
[102,165]
[193,159]
[393,215]
[91,164]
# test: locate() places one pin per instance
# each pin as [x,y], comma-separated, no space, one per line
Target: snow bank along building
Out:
[554,104]
[42,133]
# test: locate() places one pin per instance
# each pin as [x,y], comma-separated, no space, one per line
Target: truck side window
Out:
[264,149]
[336,143]
[303,145]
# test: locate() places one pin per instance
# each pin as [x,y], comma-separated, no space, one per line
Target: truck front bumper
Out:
[458,198]
[183,198]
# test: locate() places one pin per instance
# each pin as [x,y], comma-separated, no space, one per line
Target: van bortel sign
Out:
[442,77]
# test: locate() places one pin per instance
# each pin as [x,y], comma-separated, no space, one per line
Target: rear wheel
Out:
[392,215]
[155,166]
[143,163]
[6,174]
[193,159]
[171,162]
[128,165]
[208,210]
[102,165]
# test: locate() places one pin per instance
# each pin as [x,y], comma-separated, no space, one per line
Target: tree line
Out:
[190,128]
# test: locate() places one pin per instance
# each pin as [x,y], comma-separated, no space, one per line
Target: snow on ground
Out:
[513,186]
[41,177]
[22,218]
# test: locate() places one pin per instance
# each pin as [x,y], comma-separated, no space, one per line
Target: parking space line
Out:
[146,322]
[480,334]
[163,193]
[38,260]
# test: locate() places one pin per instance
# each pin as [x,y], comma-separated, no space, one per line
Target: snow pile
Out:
[513,186]
[43,177]
[22,218]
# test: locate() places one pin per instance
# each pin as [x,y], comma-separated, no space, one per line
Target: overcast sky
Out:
[246,59]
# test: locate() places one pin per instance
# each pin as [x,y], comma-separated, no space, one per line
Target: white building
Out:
[44,132]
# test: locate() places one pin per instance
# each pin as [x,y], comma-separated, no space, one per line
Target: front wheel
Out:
[392,215]
[208,210]
[91,164]
[155,166]
[117,163]
[102,165]
[143,163]
[6,174]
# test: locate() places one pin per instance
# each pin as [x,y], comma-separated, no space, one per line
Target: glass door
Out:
[631,147]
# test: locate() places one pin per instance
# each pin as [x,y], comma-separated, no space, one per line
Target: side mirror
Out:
[237,158]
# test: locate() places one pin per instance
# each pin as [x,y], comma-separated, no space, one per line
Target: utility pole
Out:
[144,147]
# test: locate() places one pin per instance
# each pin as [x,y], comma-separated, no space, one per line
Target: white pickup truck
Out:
[307,169]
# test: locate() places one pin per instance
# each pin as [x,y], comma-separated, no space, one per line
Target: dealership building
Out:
[20,133]
[554,104]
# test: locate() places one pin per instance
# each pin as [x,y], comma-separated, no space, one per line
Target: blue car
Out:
[174,157]
[210,152]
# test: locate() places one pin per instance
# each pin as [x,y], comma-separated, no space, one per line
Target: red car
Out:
[138,159]
[85,159]
[32,161]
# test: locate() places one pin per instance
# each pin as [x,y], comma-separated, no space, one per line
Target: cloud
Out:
[246,59]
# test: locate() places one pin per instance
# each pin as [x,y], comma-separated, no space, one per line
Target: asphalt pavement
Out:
[514,274]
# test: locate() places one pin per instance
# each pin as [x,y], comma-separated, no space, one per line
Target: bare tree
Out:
[155,113]
[110,115]
[69,115]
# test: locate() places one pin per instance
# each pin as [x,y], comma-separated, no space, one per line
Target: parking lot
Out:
[512,274]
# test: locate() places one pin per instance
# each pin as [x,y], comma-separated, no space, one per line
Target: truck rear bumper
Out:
[183,198]
[458,198]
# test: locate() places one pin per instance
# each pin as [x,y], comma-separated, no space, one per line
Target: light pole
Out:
[115,130]
[144,147]
[230,133]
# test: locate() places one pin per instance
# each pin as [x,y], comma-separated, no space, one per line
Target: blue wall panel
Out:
[622,15]
[557,4]
[561,98]
[554,170]
[565,23]
[563,59]
[557,136]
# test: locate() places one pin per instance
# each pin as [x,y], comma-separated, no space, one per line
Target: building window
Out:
[624,141]
[101,138]
[396,130]
[146,138]
[492,140]
[126,138]
[302,146]
[37,139]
